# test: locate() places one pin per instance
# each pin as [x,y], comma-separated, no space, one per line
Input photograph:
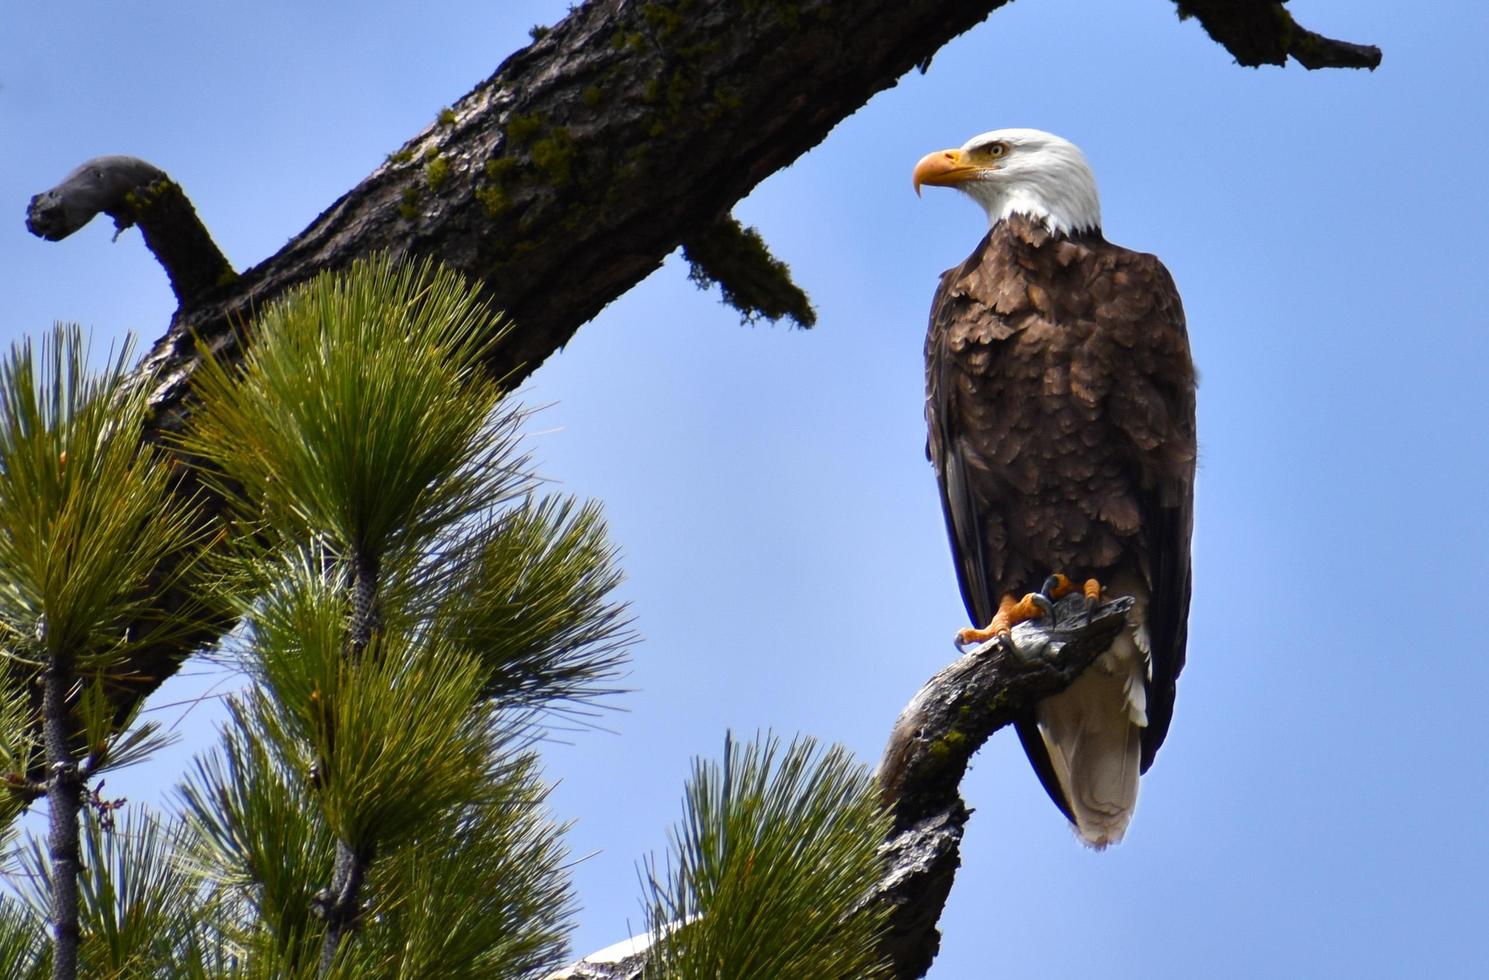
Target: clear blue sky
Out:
[1318,808]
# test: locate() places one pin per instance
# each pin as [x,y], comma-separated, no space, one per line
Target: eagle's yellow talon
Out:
[1011,612]
[971,635]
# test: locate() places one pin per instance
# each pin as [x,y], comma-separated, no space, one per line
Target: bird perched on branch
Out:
[1060,404]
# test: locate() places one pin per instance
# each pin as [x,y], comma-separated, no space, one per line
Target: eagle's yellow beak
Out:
[944,168]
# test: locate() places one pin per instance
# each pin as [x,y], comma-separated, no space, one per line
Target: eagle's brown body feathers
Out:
[1060,403]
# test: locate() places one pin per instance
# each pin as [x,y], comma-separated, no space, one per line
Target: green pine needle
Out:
[396,736]
[256,841]
[484,895]
[20,745]
[91,533]
[138,907]
[769,871]
[362,426]
[361,414]
[401,738]
[529,595]
[115,742]
[22,942]
[480,891]
[361,441]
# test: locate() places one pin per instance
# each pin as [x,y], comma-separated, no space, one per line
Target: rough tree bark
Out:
[65,801]
[561,181]
[936,736]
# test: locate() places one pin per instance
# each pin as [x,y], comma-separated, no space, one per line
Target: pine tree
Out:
[411,605]
[88,531]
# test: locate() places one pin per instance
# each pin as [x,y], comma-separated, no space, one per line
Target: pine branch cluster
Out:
[413,608]
[391,522]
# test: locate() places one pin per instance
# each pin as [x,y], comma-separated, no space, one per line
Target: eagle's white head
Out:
[1020,171]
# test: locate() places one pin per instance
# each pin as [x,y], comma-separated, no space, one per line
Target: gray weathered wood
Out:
[935,737]
[134,192]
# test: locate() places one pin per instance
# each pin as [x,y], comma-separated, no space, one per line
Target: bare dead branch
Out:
[1262,32]
[134,192]
[934,739]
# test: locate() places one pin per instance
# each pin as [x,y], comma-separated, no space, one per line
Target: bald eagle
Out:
[1060,403]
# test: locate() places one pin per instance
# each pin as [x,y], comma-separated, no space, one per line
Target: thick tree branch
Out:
[568,175]
[629,128]
[934,739]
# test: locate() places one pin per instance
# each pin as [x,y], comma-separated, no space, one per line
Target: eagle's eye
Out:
[995,150]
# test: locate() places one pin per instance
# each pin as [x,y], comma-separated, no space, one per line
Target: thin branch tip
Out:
[1263,32]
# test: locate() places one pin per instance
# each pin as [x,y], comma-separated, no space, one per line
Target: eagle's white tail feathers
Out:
[1093,731]
[1136,693]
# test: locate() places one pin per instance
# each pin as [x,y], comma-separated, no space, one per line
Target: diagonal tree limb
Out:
[569,174]
[935,737]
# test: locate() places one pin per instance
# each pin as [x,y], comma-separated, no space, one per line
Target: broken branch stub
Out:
[135,192]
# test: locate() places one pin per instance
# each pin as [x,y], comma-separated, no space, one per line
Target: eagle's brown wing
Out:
[962,295]
[1155,411]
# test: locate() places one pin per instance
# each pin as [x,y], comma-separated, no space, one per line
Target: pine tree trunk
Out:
[343,906]
[65,800]
[342,911]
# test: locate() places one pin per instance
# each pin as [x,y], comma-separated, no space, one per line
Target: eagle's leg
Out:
[1011,612]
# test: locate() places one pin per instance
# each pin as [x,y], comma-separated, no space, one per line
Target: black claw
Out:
[1046,607]
[1050,585]
[965,647]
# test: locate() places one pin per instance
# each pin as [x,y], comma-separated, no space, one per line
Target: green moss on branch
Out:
[753,281]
